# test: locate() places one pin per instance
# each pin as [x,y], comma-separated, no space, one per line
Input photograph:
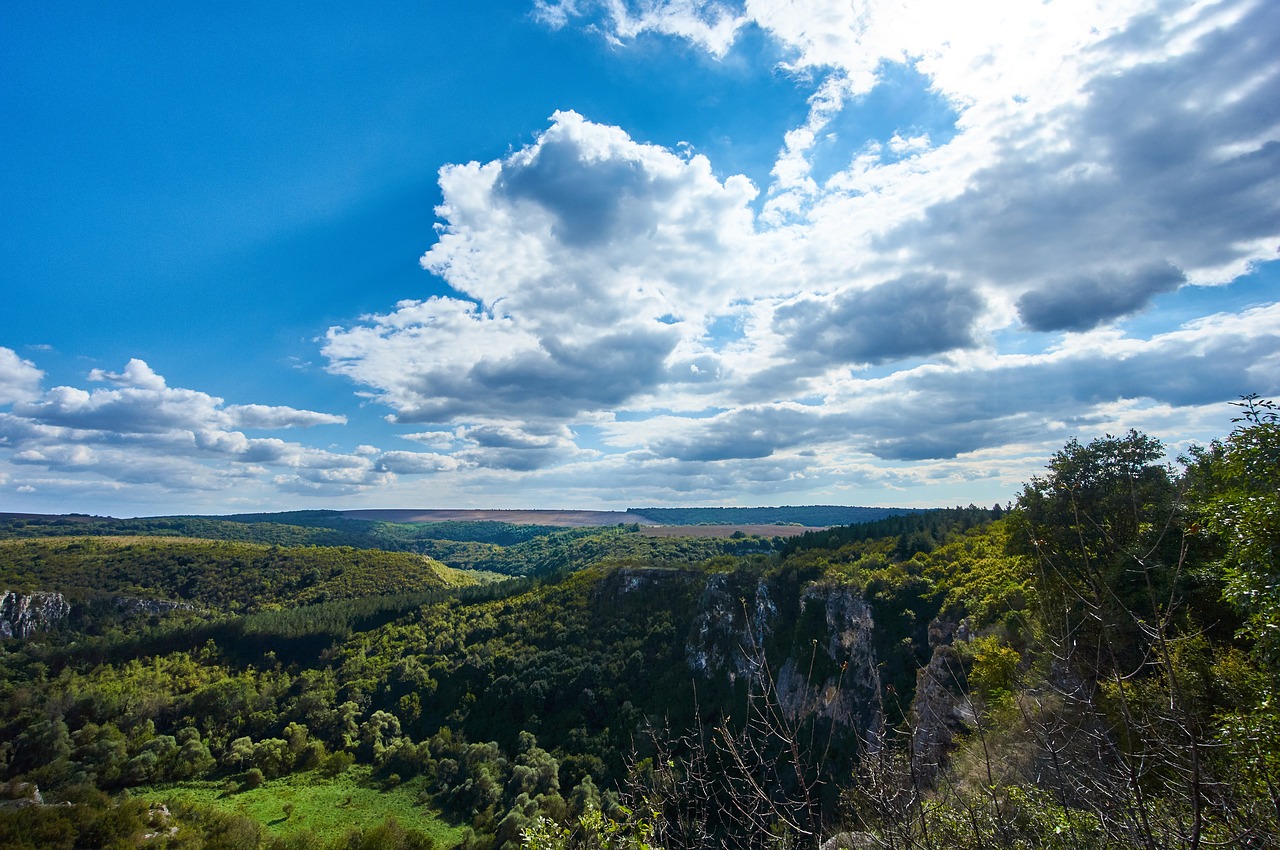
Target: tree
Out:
[1125,633]
[1236,489]
[1103,528]
[240,753]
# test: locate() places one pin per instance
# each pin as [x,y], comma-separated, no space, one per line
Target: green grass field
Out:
[327,807]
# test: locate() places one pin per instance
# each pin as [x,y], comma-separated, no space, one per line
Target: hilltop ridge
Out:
[811,516]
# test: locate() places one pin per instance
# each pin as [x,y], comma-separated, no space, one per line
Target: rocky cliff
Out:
[24,614]
[847,691]
[729,627]
[830,670]
[941,709]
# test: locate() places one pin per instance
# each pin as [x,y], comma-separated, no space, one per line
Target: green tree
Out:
[1237,485]
[1128,605]
[1236,489]
[1102,526]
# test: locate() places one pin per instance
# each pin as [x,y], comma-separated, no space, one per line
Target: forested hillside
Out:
[1094,667]
[811,515]
[295,528]
[473,545]
[215,575]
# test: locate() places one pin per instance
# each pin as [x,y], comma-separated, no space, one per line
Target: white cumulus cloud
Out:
[620,311]
[140,431]
[19,379]
[589,263]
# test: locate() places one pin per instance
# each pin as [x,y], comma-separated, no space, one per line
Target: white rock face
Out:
[834,676]
[730,628]
[849,696]
[22,615]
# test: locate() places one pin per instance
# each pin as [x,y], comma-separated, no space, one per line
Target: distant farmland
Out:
[566,519]
[724,530]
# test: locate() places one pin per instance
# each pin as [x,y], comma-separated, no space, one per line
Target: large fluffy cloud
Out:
[1104,155]
[624,322]
[592,263]
[620,306]
[1096,140]
[1166,160]
[19,379]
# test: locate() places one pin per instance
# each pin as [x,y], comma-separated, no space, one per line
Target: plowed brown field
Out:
[576,519]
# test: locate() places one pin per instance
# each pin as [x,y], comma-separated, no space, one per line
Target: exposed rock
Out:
[24,614]
[838,680]
[940,709]
[849,696]
[131,605]
[16,795]
[730,627]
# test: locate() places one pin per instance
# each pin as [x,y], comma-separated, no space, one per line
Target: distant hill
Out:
[301,531]
[563,519]
[812,516]
[219,574]
[409,529]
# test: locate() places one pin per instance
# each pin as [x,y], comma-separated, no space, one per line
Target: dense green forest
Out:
[1094,666]
[293,528]
[214,575]
[501,547]
[810,515]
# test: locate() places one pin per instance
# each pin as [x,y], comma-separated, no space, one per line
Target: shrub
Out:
[335,763]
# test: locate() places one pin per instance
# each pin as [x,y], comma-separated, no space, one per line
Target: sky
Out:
[600,253]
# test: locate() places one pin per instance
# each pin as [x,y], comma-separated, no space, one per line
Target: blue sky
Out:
[599,254]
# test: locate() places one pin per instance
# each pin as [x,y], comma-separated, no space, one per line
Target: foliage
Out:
[983,580]
[1095,668]
[814,516]
[920,531]
[19,527]
[594,830]
[576,548]
[219,575]
[459,544]
[1238,491]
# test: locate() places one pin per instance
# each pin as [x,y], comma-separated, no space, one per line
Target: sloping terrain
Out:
[215,574]
[725,530]
[564,519]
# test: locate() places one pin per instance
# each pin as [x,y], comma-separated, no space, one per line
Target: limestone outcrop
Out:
[840,681]
[24,614]
[729,628]
[941,709]
[831,671]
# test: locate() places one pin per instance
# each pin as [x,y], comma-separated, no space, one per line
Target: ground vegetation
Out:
[1093,665]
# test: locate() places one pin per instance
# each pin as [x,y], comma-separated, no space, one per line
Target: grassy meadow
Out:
[327,807]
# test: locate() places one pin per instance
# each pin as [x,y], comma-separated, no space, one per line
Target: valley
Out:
[1091,666]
